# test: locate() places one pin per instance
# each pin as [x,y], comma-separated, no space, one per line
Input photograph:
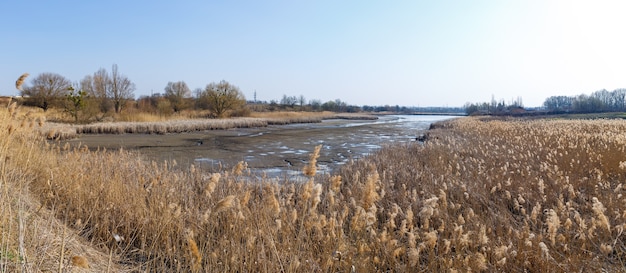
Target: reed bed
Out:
[511,196]
[164,127]
[354,116]
[60,131]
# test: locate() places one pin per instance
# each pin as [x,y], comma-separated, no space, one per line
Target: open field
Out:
[511,196]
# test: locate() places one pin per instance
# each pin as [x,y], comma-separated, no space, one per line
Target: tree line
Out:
[494,107]
[300,103]
[105,93]
[598,101]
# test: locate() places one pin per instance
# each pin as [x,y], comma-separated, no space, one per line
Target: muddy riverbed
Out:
[274,150]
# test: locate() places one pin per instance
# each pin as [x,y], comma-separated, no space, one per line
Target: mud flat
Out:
[274,150]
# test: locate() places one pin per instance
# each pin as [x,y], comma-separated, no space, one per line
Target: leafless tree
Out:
[46,90]
[302,101]
[222,97]
[177,93]
[120,89]
[289,101]
[99,92]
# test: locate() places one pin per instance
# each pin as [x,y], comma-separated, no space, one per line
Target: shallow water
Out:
[341,141]
[273,151]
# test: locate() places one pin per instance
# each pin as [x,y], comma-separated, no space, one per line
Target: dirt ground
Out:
[272,149]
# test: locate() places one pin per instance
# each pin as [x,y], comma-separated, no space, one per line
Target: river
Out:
[274,151]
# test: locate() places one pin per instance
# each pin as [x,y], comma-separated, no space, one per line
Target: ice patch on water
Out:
[255,135]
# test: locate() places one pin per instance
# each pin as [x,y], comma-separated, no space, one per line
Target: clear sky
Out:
[412,53]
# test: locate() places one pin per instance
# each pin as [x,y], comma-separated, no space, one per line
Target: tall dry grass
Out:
[32,238]
[536,196]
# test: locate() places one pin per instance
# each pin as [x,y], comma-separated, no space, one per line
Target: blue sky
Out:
[413,53]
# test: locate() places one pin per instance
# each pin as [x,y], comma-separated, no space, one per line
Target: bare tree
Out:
[222,97]
[120,89]
[177,93]
[302,101]
[46,90]
[289,101]
[99,89]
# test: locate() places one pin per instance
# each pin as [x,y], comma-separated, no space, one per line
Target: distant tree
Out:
[120,89]
[316,105]
[98,104]
[96,87]
[46,90]
[177,94]
[289,101]
[558,103]
[301,101]
[340,106]
[620,99]
[329,106]
[273,105]
[164,107]
[222,97]
[587,104]
[605,98]
[471,108]
[201,101]
[75,102]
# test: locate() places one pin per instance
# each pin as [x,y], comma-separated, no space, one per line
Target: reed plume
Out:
[335,183]
[270,200]
[20,81]
[311,168]
[370,195]
[239,168]
[553,223]
[195,253]
[599,209]
[224,204]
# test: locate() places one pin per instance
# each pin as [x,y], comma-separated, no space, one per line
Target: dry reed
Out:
[20,81]
[537,196]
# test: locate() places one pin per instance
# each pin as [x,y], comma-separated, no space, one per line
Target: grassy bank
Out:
[540,196]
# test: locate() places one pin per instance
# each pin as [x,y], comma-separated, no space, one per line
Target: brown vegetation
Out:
[144,123]
[537,196]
